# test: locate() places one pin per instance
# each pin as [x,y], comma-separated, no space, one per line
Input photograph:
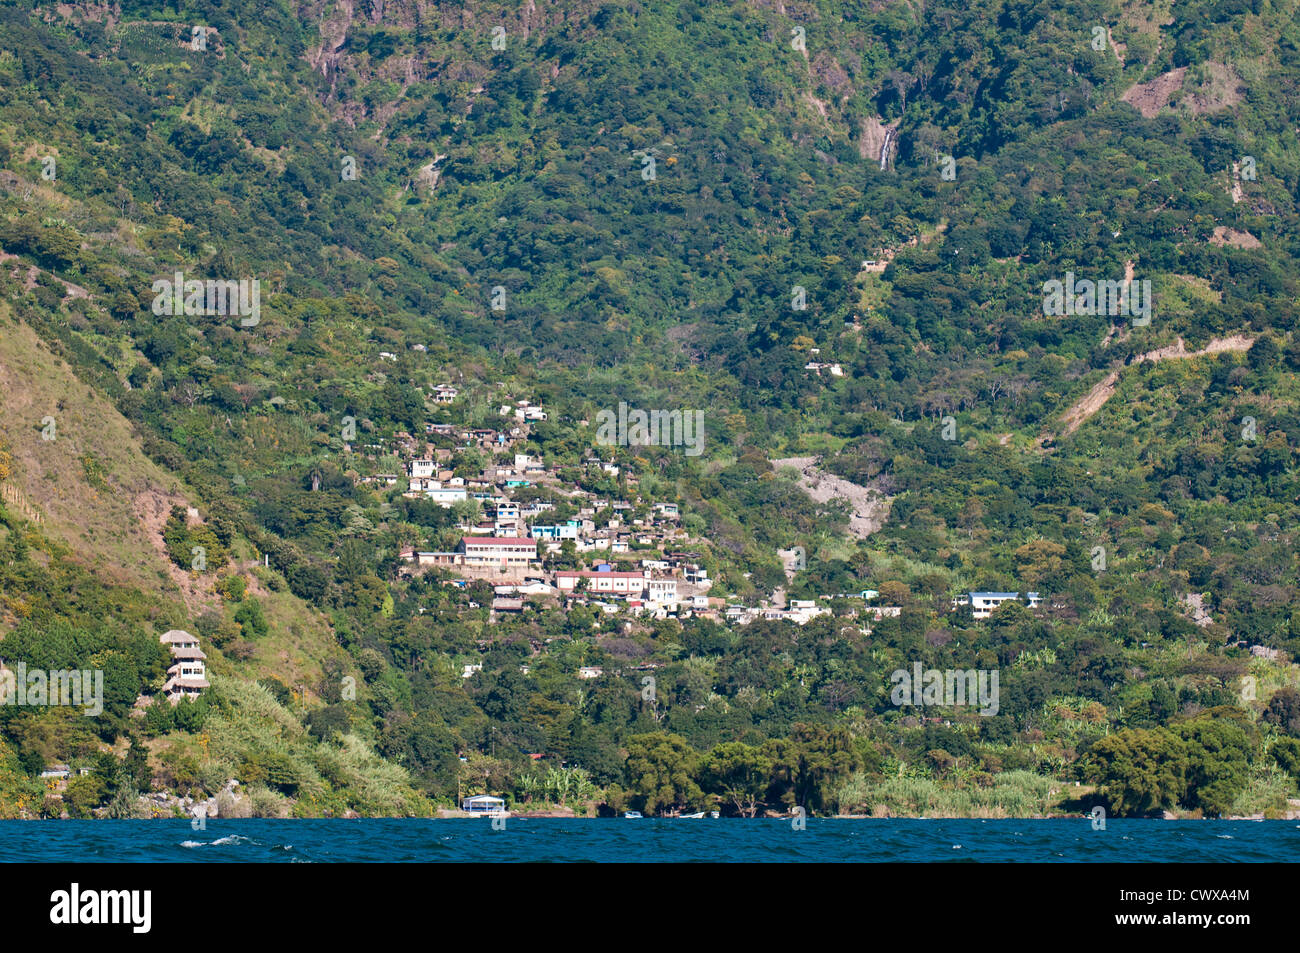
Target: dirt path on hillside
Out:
[1101,392]
[29,277]
[869,508]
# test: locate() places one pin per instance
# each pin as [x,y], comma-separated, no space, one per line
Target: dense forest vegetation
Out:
[675,199]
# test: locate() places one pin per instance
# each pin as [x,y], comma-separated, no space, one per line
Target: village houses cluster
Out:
[510,545]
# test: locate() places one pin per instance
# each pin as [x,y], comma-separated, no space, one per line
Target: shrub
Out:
[230,806]
[267,803]
[83,795]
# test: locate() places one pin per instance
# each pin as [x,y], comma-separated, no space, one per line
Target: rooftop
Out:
[496,540]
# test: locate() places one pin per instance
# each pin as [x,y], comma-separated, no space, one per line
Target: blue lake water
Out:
[649,840]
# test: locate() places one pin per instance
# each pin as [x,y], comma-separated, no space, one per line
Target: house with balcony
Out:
[661,592]
[696,575]
[983,604]
[187,675]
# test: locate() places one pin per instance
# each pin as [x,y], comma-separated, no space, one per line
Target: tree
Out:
[1040,560]
[324,723]
[1138,772]
[809,765]
[84,794]
[1219,749]
[1284,710]
[1264,354]
[251,619]
[661,769]
[826,758]
[893,593]
[738,773]
[1286,752]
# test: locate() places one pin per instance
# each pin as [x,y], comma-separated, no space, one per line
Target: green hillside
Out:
[831,228]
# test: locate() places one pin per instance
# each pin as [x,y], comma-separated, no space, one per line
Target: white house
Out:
[187,676]
[620,583]
[444,496]
[662,592]
[695,575]
[493,552]
[982,604]
[483,804]
[803,610]
[881,612]
[568,531]
[533,587]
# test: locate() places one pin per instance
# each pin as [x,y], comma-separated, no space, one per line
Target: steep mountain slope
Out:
[76,461]
[830,226]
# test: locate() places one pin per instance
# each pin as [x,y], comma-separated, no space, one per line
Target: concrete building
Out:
[982,604]
[187,676]
[498,552]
